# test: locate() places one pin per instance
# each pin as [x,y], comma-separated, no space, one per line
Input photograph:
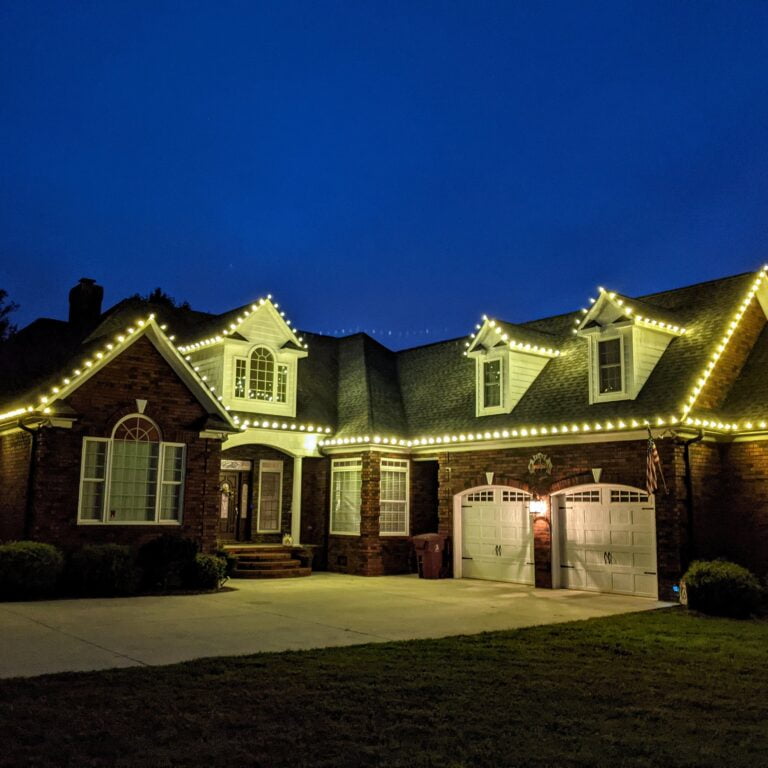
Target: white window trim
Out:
[480,409]
[270,465]
[339,466]
[108,483]
[403,468]
[594,387]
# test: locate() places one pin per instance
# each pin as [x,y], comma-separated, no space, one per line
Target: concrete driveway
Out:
[323,610]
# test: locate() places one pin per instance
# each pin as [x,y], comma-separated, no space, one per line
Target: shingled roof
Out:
[358,387]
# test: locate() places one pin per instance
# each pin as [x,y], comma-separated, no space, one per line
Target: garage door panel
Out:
[607,540]
[619,516]
[497,541]
[643,517]
[642,539]
[643,560]
[596,537]
[646,585]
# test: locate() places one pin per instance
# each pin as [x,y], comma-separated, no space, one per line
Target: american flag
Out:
[653,467]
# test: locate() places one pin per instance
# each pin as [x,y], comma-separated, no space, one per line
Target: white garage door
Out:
[608,540]
[496,540]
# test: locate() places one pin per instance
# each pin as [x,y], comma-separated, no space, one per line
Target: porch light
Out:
[538,507]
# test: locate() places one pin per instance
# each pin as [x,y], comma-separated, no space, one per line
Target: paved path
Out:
[323,610]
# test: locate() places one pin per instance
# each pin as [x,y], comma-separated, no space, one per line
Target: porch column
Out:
[296,501]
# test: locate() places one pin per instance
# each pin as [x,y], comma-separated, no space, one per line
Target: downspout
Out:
[31,475]
[691,540]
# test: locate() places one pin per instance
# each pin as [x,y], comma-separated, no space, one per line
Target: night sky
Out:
[392,167]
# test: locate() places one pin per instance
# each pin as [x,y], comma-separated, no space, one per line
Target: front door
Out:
[233,505]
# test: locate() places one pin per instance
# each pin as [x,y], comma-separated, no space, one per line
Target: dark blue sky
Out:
[380,166]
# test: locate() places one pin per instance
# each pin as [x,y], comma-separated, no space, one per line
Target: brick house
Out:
[525,444]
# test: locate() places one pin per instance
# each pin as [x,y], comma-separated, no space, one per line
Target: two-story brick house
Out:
[526,444]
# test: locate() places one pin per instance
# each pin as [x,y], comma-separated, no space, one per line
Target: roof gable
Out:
[94,356]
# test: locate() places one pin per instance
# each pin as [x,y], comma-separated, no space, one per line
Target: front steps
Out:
[256,561]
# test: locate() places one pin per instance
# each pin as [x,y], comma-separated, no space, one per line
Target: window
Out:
[266,379]
[240,376]
[609,365]
[480,496]
[628,496]
[492,384]
[270,496]
[393,497]
[346,480]
[583,496]
[132,477]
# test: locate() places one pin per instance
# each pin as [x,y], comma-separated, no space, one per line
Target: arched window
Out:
[262,381]
[267,380]
[132,477]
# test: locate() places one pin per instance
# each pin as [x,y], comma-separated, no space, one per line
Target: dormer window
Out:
[508,359]
[609,364]
[261,378]
[492,384]
[625,343]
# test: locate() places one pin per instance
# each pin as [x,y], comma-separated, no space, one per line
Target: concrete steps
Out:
[265,562]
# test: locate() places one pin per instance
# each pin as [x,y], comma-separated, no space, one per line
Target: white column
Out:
[296,501]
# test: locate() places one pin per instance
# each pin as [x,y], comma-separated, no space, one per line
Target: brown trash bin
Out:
[430,550]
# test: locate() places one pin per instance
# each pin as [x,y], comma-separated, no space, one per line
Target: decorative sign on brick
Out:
[540,464]
[539,473]
[234,465]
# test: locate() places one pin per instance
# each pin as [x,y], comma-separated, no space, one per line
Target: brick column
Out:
[370,543]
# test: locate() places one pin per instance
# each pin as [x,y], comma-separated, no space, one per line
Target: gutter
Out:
[690,536]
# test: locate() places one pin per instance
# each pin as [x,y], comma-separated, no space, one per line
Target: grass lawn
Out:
[664,688]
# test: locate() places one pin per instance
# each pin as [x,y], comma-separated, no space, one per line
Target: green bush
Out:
[102,570]
[209,572]
[29,569]
[229,559]
[722,589]
[166,561]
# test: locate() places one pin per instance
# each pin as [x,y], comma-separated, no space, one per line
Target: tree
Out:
[159,296]
[7,329]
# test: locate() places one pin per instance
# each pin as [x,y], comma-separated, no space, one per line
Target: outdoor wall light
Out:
[538,507]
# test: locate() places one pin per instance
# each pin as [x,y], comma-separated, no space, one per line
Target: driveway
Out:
[323,610]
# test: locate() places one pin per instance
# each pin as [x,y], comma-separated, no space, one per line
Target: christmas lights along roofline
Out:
[241,317]
[686,417]
[101,357]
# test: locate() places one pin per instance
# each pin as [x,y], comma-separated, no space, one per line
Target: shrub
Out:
[209,572]
[722,589]
[29,569]
[103,570]
[165,561]
[230,560]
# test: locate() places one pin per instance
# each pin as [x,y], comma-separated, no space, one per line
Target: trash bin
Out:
[430,550]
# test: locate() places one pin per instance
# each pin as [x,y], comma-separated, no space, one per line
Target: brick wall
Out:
[256,453]
[14,474]
[138,372]
[744,508]
[621,462]
[371,554]
[732,360]
[315,500]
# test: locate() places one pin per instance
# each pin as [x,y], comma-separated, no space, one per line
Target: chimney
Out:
[85,303]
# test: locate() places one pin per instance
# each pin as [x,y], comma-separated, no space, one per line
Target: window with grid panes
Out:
[132,477]
[346,482]
[609,364]
[393,500]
